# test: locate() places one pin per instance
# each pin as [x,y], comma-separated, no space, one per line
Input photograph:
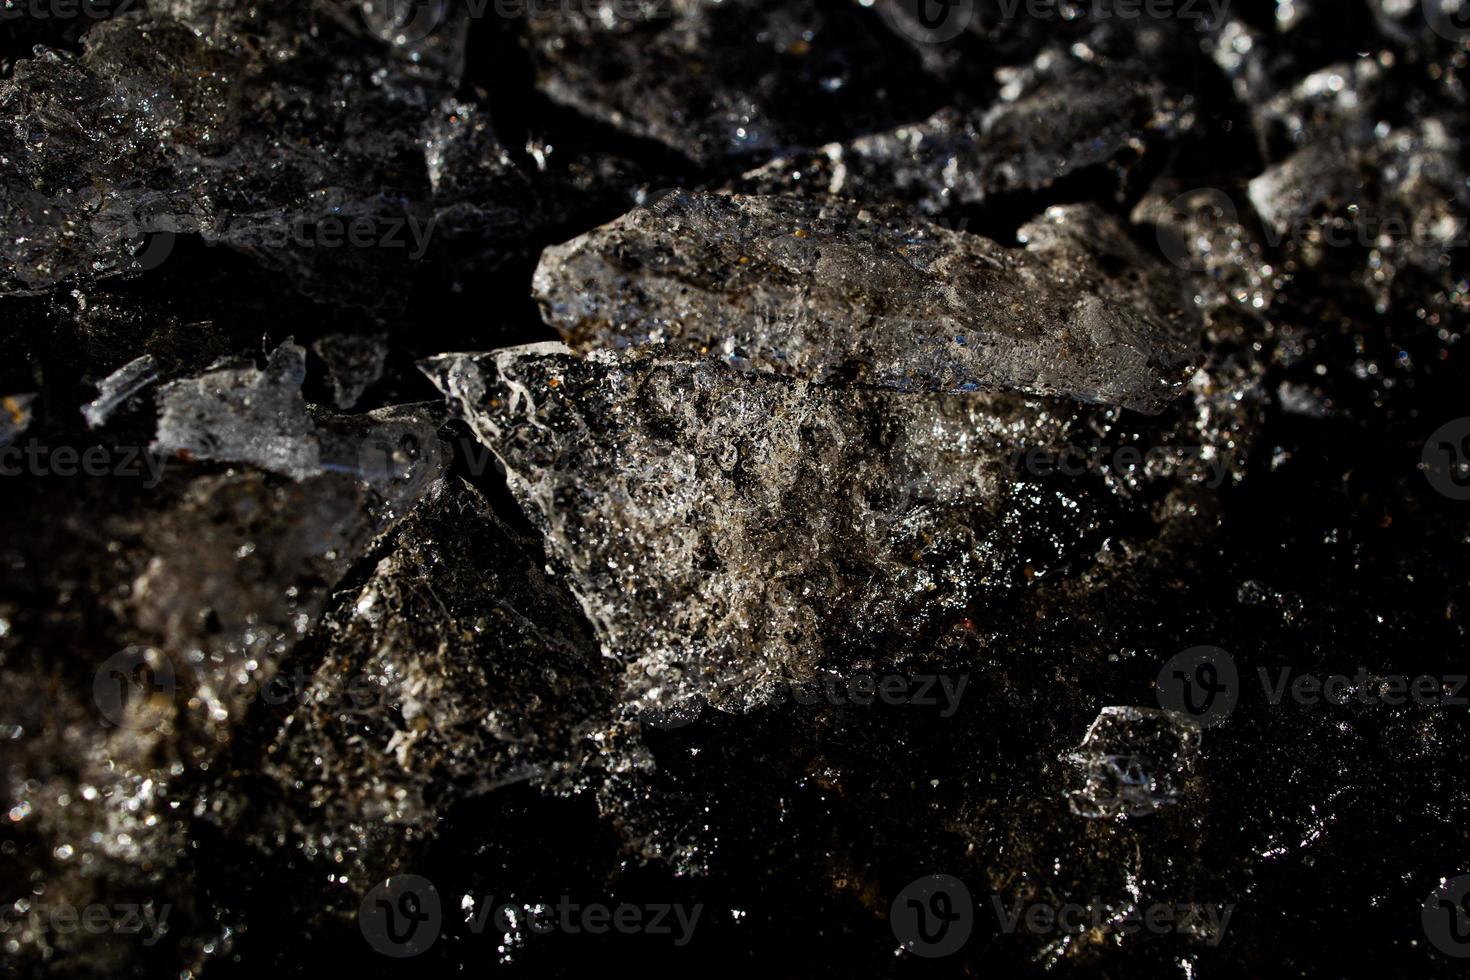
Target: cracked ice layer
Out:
[725,531]
[836,292]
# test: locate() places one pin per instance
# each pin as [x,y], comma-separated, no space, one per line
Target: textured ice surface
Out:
[1132,762]
[1056,117]
[198,587]
[272,128]
[724,530]
[762,525]
[1363,181]
[833,291]
[457,667]
[738,78]
[1202,230]
[1399,198]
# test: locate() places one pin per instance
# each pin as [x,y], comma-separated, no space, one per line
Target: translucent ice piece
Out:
[836,292]
[1132,762]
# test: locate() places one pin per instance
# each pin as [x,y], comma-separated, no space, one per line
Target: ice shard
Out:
[1132,761]
[118,387]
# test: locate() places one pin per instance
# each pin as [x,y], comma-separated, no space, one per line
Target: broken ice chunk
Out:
[725,530]
[243,415]
[1400,197]
[118,387]
[201,583]
[1132,761]
[319,121]
[1317,176]
[354,363]
[1066,120]
[836,292]
[15,416]
[469,669]
[248,415]
[738,78]
[1201,229]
